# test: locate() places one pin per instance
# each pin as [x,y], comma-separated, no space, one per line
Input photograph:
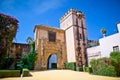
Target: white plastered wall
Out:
[93,53]
[67,24]
[70,45]
[107,44]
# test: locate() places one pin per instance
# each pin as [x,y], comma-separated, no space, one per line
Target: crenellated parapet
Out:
[69,12]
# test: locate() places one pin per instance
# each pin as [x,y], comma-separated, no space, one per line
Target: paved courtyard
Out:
[61,75]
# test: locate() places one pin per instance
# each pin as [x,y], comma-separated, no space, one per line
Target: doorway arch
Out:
[52,62]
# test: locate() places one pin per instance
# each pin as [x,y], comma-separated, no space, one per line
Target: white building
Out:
[107,45]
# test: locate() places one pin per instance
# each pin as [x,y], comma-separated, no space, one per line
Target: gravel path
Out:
[61,75]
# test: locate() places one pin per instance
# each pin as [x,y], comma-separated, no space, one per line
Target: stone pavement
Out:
[61,75]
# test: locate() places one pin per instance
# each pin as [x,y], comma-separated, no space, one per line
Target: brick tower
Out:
[73,22]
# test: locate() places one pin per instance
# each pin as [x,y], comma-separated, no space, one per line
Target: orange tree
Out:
[8,29]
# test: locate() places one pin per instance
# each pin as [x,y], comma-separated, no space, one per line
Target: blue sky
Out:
[98,13]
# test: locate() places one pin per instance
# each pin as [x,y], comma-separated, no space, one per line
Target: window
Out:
[52,36]
[79,36]
[116,48]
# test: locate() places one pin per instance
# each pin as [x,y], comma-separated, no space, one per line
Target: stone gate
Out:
[45,47]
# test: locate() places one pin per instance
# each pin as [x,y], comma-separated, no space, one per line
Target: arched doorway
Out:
[52,62]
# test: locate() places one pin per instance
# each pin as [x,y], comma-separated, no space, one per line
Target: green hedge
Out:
[88,69]
[106,70]
[70,65]
[26,72]
[103,67]
[115,60]
[79,69]
[13,73]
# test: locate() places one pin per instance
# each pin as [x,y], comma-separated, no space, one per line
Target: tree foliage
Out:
[7,62]
[106,70]
[8,29]
[94,64]
[70,65]
[29,40]
[102,66]
[103,31]
[28,60]
[115,59]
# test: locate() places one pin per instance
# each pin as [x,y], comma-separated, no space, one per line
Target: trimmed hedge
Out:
[79,69]
[13,73]
[103,67]
[88,69]
[115,60]
[106,70]
[26,72]
[70,65]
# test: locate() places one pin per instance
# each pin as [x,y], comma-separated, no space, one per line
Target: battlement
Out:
[69,12]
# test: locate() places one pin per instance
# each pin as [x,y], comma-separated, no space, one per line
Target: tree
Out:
[29,40]
[32,55]
[103,30]
[115,59]
[28,60]
[8,29]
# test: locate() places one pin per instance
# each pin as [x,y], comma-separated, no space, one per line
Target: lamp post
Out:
[79,54]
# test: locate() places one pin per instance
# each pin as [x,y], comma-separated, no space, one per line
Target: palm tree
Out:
[103,30]
[29,40]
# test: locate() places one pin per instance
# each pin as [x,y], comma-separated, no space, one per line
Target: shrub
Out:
[103,66]
[19,65]
[13,73]
[71,65]
[7,62]
[79,68]
[25,60]
[94,64]
[32,58]
[9,73]
[115,59]
[88,69]
[106,70]
[26,72]
[29,60]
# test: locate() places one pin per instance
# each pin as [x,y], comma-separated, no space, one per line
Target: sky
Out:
[98,13]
